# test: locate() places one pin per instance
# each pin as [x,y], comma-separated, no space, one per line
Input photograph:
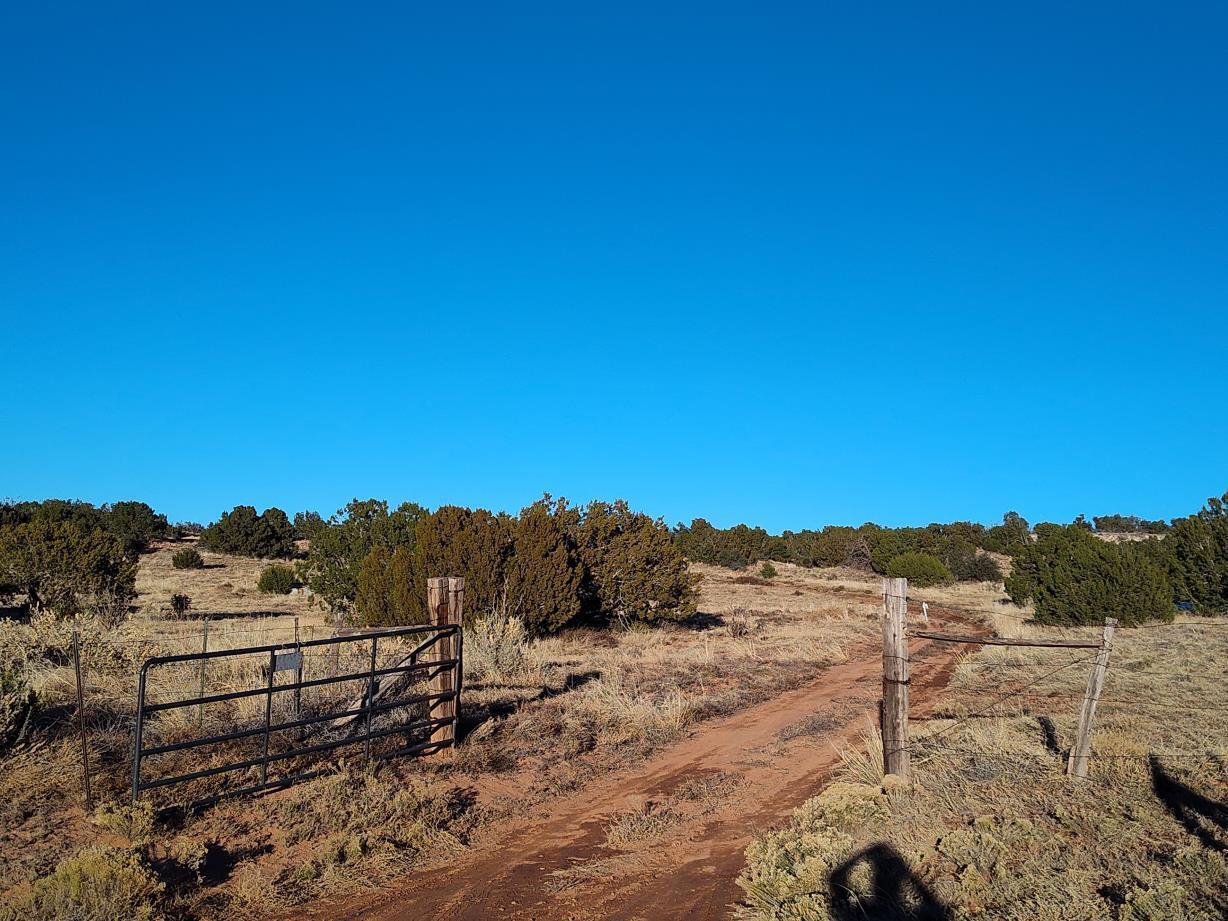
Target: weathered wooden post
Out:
[1081,753]
[895,677]
[445,603]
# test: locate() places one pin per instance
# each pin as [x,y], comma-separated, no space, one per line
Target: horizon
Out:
[781,267]
[291,511]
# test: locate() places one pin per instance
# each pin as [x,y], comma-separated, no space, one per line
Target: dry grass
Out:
[552,714]
[637,827]
[993,828]
[226,587]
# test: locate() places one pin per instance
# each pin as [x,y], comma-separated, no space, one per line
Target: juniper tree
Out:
[1195,553]
[1075,578]
[341,545]
[456,541]
[544,571]
[1011,536]
[61,568]
[633,567]
[244,532]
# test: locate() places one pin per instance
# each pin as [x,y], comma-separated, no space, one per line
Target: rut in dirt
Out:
[557,865]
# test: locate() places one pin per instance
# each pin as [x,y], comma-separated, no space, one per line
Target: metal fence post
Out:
[370,696]
[298,677]
[204,647]
[85,749]
[456,617]
[137,729]
[268,717]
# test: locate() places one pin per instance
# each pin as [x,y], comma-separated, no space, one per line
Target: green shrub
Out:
[733,548]
[98,883]
[1011,536]
[920,569]
[135,525]
[1195,555]
[633,567]
[276,580]
[767,571]
[63,569]
[187,558]
[340,546]
[180,604]
[544,575]
[456,541]
[829,547]
[967,564]
[1075,578]
[243,532]
[1128,524]
[308,524]
[984,568]
[386,594]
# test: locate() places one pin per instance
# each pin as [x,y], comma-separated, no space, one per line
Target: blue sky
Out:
[789,264]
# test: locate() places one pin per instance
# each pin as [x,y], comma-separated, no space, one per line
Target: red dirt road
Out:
[555,866]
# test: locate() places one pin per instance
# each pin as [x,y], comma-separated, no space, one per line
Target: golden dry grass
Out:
[225,588]
[550,715]
[992,827]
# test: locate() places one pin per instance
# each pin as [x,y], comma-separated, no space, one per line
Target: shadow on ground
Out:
[895,894]
[473,717]
[1204,818]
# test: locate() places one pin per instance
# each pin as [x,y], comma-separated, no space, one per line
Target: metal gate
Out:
[282,706]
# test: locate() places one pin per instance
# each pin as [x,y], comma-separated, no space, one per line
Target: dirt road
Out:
[556,865]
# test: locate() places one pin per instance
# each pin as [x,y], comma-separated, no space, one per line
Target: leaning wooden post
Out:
[1081,753]
[439,610]
[895,677]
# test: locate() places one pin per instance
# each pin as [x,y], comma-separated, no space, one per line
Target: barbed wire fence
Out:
[899,747]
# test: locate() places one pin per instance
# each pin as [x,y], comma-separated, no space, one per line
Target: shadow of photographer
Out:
[895,893]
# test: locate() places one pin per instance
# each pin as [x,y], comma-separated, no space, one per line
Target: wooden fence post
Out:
[1081,753]
[895,677]
[441,595]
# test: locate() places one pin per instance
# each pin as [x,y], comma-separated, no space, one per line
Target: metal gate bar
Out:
[408,665]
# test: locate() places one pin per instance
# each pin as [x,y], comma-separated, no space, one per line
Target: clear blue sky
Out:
[784,264]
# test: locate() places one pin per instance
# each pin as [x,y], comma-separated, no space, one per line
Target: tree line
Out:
[1072,577]
[1070,573]
[551,565]
[554,564]
[927,556]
